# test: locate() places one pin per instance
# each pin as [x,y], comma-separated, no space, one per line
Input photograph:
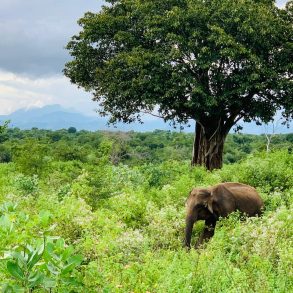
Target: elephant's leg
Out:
[207,233]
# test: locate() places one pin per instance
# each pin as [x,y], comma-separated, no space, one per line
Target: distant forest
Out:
[131,148]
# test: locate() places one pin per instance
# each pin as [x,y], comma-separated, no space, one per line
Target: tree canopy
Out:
[4,126]
[213,61]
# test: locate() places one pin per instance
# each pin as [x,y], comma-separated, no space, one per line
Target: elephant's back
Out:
[246,198]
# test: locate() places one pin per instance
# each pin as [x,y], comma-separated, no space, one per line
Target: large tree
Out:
[212,61]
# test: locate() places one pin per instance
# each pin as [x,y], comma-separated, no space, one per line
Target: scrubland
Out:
[68,225]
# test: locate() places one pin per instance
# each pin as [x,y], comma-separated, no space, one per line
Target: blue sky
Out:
[32,55]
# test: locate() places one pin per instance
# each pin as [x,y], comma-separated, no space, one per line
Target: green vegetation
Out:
[211,61]
[32,150]
[104,212]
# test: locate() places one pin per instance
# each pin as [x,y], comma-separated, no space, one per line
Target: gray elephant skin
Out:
[209,204]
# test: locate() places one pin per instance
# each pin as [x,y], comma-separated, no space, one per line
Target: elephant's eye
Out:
[200,206]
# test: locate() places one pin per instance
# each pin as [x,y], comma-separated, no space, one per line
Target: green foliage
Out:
[4,127]
[31,260]
[47,265]
[94,226]
[26,185]
[216,53]
[30,156]
[131,148]
[5,154]
[71,130]
[269,173]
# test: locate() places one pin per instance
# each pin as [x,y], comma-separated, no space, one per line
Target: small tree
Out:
[212,61]
[270,130]
[71,129]
[4,126]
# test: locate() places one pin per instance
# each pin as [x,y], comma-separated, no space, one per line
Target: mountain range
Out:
[57,117]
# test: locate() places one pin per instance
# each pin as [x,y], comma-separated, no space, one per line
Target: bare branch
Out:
[269,136]
[150,113]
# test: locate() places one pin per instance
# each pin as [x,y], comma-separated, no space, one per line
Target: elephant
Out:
[209,204]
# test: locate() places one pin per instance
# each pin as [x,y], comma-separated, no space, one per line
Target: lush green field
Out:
[76,222]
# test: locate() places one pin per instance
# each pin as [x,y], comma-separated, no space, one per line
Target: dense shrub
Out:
[268,172]
[5,154]
[26,185]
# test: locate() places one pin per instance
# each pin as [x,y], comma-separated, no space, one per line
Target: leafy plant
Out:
[26,184]
[45,265]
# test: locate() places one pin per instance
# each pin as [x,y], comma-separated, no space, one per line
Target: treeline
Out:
[35,147]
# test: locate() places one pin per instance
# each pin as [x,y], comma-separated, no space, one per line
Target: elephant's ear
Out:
[210,204]
[221,201]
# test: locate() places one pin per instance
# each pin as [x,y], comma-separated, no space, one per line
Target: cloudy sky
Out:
[33,34]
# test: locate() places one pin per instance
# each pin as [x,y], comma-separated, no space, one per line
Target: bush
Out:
[5,154]
[30,157]
[26,185]
[268,172]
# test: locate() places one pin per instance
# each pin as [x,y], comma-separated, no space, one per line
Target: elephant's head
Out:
[199,206]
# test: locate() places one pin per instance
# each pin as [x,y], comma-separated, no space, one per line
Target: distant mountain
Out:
[49,117]
[56,117]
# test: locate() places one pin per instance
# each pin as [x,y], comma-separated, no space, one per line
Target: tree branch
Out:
[152,114]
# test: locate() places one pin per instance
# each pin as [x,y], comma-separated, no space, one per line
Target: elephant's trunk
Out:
[188,231]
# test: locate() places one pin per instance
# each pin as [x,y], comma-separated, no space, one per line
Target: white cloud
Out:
[17,92]
[281,3]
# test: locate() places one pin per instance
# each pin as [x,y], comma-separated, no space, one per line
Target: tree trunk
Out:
[209,145]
